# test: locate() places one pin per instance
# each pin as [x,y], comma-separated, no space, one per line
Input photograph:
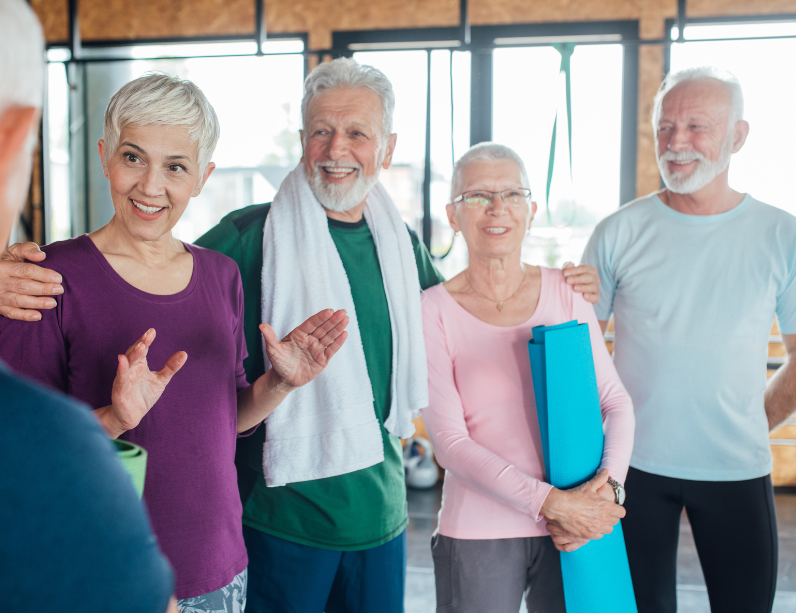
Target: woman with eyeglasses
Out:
[493,544]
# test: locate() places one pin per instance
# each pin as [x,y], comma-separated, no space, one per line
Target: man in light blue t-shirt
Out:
[694,276]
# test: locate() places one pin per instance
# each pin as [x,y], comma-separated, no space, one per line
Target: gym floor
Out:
[691,594]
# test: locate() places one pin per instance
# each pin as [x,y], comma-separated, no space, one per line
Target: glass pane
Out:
[406,70]
[58,214]
[525,104]
[260,124]
[404,179]
[769,100]
[449,141]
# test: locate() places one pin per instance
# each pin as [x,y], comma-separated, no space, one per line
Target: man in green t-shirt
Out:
[336,543]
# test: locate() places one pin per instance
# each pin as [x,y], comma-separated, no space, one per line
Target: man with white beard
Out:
[694,275]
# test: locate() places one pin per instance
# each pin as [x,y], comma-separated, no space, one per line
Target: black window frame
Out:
[482,46]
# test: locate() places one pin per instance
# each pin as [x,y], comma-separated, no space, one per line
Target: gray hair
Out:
[485,151]
[727,79]
[21,56]
[346,72]
[160,99]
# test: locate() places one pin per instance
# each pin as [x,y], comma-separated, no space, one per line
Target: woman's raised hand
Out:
[136,388]
[300,357]
[580,514]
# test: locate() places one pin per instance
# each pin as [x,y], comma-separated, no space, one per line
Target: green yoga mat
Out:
[133,458]
[596,576]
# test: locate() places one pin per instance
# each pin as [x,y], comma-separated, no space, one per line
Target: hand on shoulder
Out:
[24,287]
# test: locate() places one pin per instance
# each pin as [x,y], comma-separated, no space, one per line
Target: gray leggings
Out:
[473,576]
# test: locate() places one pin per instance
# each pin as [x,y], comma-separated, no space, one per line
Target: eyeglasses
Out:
[478,199]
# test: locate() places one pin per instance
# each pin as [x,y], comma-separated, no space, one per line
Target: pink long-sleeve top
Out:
[482,412]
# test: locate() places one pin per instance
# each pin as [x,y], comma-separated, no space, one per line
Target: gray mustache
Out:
[683,156]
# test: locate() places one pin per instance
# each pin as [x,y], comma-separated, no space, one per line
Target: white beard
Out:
[705,171]
[341,198]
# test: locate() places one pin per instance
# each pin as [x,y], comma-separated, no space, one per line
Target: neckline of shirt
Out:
[702,219]
[346,225]
[541,305]
[117,279]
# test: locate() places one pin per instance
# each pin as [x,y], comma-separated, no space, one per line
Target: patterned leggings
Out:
[229,599]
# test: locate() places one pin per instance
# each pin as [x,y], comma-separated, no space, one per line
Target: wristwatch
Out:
[619,491]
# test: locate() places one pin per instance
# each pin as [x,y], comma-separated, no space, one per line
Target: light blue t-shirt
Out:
[693,299]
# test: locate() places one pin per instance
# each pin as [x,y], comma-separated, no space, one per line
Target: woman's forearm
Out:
[486,472]
[258,401]
[108,421]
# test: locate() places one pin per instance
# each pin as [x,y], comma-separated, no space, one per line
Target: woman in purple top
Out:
[127,280]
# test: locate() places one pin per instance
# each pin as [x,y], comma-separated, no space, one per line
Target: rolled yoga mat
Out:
[597,575]
[133,458]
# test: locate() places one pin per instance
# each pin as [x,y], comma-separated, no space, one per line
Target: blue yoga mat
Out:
[596,576]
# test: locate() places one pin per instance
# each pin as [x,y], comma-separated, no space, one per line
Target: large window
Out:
[527,103]
[260,124]
[450,89]
[509,87]
[762,66]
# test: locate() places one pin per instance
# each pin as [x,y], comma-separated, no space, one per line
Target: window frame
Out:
[482,46]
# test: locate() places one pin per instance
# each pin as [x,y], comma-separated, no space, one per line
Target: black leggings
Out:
[735,532]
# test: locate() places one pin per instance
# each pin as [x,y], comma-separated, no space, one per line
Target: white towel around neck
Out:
[329,427]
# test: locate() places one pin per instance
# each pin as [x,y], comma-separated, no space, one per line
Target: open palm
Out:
[136,389]
[300,357]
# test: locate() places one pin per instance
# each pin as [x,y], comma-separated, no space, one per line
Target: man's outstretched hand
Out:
[295,361]
[24,286]
[301,356]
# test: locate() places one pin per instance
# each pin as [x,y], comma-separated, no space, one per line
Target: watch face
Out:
[619,491]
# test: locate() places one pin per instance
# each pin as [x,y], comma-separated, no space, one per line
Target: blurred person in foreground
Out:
[694,275]
[131,278]
[492,545]
[75,537]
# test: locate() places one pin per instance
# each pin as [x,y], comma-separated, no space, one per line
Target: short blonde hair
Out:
[161,99]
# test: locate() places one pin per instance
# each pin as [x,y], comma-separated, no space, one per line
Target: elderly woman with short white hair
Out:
[493,543]
[132,277]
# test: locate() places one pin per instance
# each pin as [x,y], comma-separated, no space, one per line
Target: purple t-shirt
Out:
[191,484]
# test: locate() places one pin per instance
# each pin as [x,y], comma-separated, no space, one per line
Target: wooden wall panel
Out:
[522,11]
[713,8]
[320,18]
[121,19]
[649,79]
[54,17]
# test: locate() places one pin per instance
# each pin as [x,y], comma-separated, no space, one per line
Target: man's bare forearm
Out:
[258,401]
[780,396]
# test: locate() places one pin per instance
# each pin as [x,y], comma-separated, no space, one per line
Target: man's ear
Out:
[740,132]
[301,138]
[16,124]
[391,140]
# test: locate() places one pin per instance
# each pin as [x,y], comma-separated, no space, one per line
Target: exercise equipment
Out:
[597,575]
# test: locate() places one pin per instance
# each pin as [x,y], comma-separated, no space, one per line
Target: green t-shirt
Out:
[357,510]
